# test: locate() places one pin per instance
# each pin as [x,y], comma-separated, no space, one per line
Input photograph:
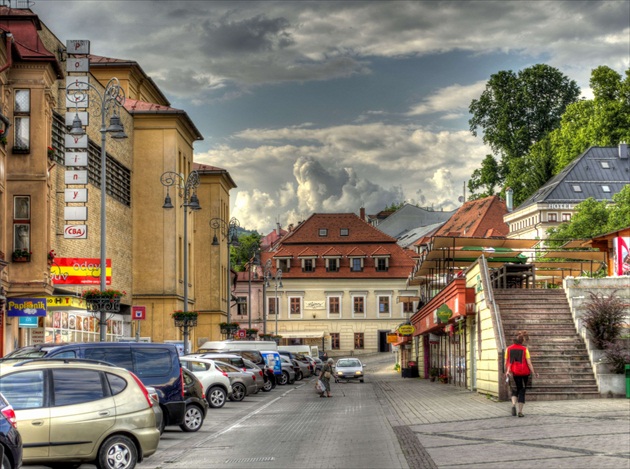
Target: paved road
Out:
[391,422]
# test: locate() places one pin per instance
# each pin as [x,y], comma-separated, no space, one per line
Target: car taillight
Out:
[145,393]
[10,415]
[261,373]
[225,374]
[254,376]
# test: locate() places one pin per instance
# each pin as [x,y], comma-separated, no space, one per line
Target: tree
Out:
[619,216]
[517,110]
[394,206]
[527,174]
[247,249]
[487,177]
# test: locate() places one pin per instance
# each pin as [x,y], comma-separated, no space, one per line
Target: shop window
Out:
[358,341]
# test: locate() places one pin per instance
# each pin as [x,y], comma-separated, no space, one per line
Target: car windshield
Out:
[27,353]
[348,363]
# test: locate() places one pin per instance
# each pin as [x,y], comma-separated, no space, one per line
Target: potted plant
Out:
[21,255]
[51,152]
[434,373]
[265,336]
[105,300]
[228,327]
[276,338]
[443,378]
[51,257]
[251,333]
[183,318]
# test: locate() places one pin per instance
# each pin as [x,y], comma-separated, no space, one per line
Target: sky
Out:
[330,106]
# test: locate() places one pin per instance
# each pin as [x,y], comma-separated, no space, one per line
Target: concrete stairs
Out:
[558,353]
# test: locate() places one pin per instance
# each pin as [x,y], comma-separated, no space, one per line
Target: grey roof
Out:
[409,217]
[411,236]
[587,176]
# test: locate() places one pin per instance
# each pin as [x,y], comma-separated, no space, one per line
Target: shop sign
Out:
[406,329]
[26,307]
[30,322]
[138,312]
[65,302]
[444,313]
[38,336]
[314,305]
[79,271]
[392,338]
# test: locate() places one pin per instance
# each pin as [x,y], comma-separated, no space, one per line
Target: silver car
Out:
[288,372]
[349,368]
[243,382]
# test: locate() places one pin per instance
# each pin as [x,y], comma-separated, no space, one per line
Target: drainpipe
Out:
[9,43]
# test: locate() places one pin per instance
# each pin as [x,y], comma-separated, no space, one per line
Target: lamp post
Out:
[187,190]
[228,231]
[277,284]
[255,262]
[266,278]
[112,97]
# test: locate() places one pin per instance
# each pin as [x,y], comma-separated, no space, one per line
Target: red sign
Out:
[79,271]
[138,312]
[241,334]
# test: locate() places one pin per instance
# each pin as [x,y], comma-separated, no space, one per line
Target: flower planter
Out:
[182,322]
[21,259]
[103,303]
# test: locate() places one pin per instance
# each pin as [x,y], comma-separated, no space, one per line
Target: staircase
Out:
[557,352]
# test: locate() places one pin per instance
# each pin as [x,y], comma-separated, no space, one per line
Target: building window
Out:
[356,264]
[552,217]
[22,121]
[381,264]
[295,304]
[606,188]
[323,232]
[407,307]
[241,306]
[308,265]
[344,232]
[604,164]
[358,305]
[566,217]
[334,340]
[118,177]
[358,341]
[334,305]
[271,306]
[576,188]
[383,304]
[58,142]
[284,265]
[333,265]
[22,223]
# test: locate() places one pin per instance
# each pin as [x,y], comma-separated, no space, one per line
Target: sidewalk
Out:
[460,428]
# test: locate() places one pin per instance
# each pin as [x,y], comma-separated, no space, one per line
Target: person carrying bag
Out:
[518,365]
[325,375]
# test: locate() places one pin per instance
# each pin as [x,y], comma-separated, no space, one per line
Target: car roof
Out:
[46,363]
[187,358]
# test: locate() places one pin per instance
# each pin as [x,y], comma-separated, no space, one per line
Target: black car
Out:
[157,365]
[10,439]
[196,403]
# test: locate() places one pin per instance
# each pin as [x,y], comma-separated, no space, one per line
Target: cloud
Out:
[453,100]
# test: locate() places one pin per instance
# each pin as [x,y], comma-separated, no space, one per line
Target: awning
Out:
[302,335]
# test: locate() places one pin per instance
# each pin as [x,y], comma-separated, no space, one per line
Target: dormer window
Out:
[576,188]
[606,188]
[308,265]
[605,164]
[344,232]
[356,264]
[332,265]
[323,232]
[381,264]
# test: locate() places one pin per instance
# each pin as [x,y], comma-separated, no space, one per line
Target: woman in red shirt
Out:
[519,365]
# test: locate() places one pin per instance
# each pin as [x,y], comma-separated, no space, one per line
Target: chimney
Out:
[290,226]
[509,199]
[623,151]
[362,213]
[278,228]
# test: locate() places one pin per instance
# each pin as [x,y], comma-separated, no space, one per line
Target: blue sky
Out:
[327,106]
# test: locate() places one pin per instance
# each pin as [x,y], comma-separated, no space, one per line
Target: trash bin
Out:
[628,381]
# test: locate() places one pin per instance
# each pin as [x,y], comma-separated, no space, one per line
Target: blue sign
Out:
[28,321]
[26,307]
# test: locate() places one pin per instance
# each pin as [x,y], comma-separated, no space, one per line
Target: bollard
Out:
[628,381]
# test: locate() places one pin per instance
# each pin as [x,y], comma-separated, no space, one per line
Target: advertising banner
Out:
[79,271]
[26,307]
[622,255]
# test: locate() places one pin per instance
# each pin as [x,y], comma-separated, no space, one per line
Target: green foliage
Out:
[247,249]
[604,318]
[487,177]
[619,213]
[525,175]
[394,206]
[617,355]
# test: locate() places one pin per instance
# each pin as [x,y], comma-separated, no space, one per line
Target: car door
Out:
[81,411]
[25,392]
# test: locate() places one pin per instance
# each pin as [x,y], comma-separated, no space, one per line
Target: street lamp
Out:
[277,284]
[266,277]
[112,98]
[228,231]
[187,190]
[253,253]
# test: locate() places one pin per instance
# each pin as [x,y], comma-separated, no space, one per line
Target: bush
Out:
[617,355]
[604,318]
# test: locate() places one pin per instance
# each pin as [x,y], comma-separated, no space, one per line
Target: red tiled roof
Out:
[359,231]
[332,252]
[477,218]
[379,251]
[356,252]
[308,252]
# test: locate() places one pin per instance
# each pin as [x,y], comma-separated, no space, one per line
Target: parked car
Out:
[288,372]
[243,382]
[260,374]
[318,365]
[76,411]
[254,355]
[157,410]
[303,369]
[215,382]
[196,404]
[157,365]
[305,359]
[232,359]
[349,368]
[10,438]
[315,367]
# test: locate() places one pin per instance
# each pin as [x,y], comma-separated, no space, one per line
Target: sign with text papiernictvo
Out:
[26,307]
[444,313]
[406,329]
[79,271]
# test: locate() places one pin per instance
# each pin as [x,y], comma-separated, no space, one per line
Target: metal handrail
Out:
[494,309]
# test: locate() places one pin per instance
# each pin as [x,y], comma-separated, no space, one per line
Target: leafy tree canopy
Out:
[247,249]
[394,206]
[484,180]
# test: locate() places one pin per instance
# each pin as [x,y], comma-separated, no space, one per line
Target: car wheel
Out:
[291,381]
[268,386]
[284,379]
[117,452]
[6,464]
[216,397]
[299,376]
[193,420]
[238,392]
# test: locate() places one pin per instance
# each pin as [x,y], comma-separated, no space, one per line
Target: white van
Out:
[296,349]
[227,345]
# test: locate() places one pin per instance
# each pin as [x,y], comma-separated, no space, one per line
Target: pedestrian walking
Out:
[518,364]
[325,375]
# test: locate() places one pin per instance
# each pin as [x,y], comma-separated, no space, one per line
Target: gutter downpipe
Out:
[9,45]
[495,313]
